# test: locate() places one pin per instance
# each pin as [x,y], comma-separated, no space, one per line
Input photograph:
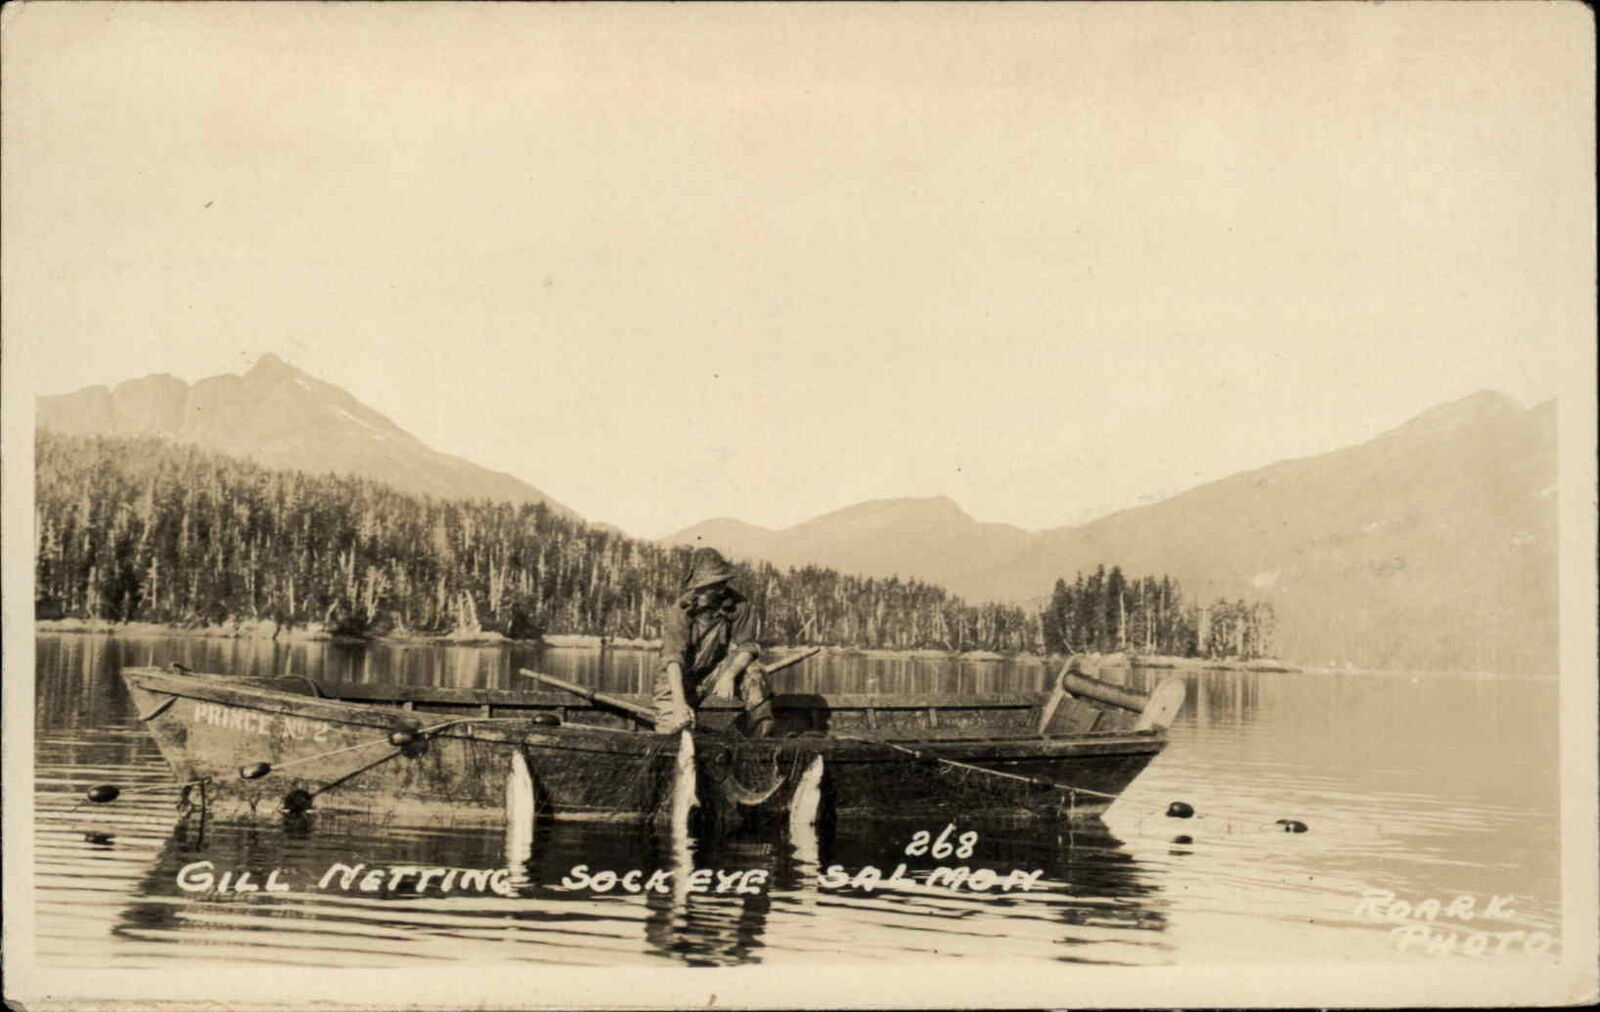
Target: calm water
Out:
[1427,787]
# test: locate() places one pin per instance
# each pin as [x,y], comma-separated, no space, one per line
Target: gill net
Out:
[757,774]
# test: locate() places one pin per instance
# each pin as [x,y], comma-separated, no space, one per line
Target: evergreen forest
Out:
[137,529]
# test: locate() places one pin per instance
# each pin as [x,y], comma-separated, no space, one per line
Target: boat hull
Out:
[329,753]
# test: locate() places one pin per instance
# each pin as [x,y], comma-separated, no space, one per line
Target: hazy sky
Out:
[675,262]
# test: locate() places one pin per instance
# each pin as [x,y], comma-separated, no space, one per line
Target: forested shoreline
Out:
[138,529]
[1105,612]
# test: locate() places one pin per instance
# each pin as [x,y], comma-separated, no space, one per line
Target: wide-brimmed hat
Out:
[707,568]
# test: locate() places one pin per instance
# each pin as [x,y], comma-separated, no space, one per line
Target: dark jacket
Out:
[701,640]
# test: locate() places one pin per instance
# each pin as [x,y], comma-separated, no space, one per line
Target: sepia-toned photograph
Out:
[798,505]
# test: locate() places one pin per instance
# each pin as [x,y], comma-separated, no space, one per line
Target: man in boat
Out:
[709,647]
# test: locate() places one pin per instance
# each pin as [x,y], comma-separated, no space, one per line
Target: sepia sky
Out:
[675,262]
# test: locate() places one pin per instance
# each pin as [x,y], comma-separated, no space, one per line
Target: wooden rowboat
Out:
[292,744]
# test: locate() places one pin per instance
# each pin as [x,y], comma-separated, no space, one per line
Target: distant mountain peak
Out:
[940,502]
[281,416]
[271,366]
[728,535]
[734,522]
[1378,553]
[940,507]
[927,537]
[158,379]
[1473,409]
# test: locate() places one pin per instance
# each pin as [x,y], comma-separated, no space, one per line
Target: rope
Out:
[980,769]
[384,740]
[151,788]
[1231,824]
[330,785]
[324,755]
[165,787]
[316,690]
[148,788]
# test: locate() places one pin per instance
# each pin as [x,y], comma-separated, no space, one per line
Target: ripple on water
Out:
[1391,800]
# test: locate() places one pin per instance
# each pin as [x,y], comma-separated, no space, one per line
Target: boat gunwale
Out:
[565,737]
[441,695]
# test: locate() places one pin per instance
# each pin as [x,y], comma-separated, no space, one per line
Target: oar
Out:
[789,662]
[642,713]
[710,686]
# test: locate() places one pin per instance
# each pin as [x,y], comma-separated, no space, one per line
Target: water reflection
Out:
[307,903]
[1215,697]
[1425,786]
[95,660]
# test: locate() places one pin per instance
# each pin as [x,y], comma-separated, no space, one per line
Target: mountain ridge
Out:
[875,538]
[281,416]
[1429,544]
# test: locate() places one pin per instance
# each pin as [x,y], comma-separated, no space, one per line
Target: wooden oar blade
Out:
[1164,704]
[642,713]
[789,662]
